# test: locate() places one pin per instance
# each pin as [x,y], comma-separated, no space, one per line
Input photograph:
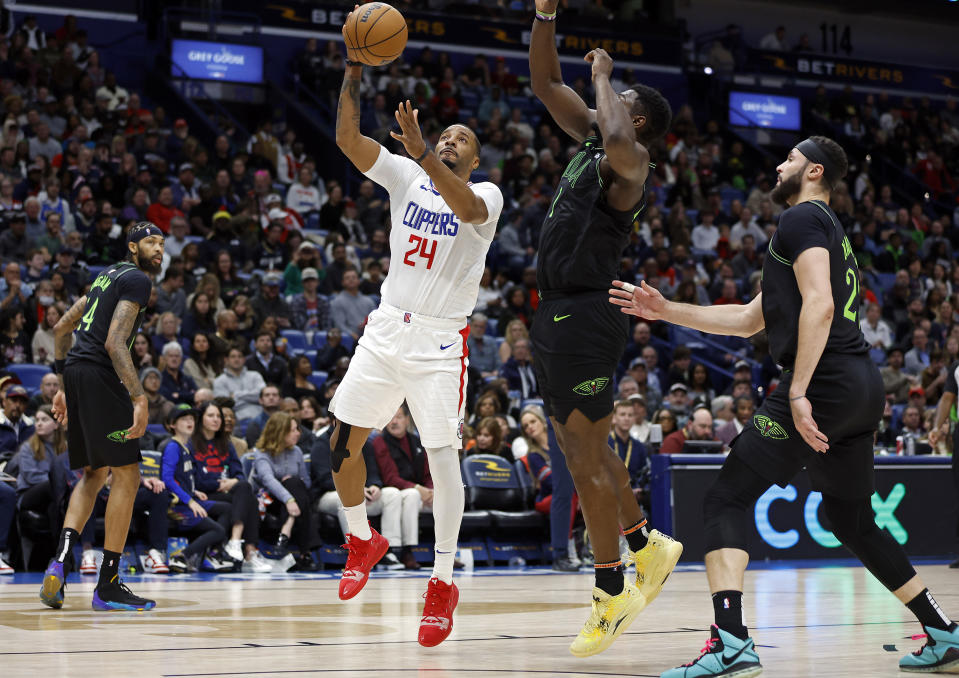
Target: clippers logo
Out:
[459,430]
[406,317]
[768,428]
[591,387]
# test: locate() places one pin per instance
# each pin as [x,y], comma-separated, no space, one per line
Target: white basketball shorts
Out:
[406,356]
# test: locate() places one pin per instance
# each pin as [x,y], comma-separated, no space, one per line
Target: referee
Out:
[103,402]
[823,415]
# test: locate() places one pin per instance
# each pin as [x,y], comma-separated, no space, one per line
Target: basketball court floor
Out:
[833,620]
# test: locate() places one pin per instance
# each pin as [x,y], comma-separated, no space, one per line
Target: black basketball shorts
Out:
[847,398]
[99,412]
[578,341]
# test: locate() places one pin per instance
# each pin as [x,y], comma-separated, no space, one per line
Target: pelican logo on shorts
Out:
[406,317]
[118,436]
[768,428]
[591,387]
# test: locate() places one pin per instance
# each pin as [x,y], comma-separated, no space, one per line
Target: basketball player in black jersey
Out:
[578,338]
[102,403]
[823,415]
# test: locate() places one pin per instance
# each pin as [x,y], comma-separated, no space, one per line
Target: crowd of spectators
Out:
[263,239]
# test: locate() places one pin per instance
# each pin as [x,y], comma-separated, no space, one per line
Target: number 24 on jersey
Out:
[422,247]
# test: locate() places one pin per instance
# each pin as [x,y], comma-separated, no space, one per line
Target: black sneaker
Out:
[954,564]
[282,546]
[117,596]
[305,563]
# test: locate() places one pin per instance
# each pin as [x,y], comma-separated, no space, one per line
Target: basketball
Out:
[375,34]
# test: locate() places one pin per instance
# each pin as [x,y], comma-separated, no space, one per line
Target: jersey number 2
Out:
[851,278]
[425,247]
[87,319]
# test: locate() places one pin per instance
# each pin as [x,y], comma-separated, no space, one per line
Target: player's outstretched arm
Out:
[546,79]
[644,301]
[361,150]
[466,205]
[628,158]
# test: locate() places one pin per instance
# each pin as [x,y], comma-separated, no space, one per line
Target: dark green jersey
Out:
[583,238]
[122,281]
[801,227]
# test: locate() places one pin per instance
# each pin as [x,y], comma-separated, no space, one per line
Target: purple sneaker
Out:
[54,584]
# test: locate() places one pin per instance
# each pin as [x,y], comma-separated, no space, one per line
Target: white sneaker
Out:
[154,563]
[257,563]
[5,568]
[234,549]
[88,562]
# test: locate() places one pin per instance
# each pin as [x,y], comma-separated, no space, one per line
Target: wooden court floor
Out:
[822,621]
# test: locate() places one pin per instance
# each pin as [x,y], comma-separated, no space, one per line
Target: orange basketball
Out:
[375,34]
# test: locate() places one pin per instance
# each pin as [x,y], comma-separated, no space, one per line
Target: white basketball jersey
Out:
[436,261]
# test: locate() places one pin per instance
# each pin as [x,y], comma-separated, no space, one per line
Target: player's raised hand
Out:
[59,407]
[640,300]
[412,136]
[601,61]
[806,425]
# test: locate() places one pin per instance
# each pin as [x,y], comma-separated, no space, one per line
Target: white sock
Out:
[358,522]
[448,500]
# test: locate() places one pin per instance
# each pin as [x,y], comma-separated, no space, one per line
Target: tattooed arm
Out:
[121,327]
[63,331]
[362,151]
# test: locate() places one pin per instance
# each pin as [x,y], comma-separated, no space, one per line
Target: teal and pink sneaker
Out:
[54,584]
[940,654]
[724,655]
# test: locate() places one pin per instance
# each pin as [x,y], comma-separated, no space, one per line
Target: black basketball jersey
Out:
[583,238]
[806,225]
[122,281]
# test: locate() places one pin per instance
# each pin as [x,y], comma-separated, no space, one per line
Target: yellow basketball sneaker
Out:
[654,563]
[610,616]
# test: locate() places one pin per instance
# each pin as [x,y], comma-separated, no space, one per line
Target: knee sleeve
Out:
[855,526]
[340,452]
[726,505]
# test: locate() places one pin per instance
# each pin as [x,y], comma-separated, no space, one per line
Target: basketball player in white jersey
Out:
[414,345]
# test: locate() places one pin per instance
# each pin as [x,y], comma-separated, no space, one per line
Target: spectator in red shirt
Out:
[730,293]
[699,427]
[933,173]
[163,210]
[403,464]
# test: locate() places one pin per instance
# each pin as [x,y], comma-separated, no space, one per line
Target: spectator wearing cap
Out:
[15,426]
[311,311]
[678,401]
[699,427]
[164,209]
[74,276]
[917,398]
[641,423]
[14,293]
[104,246]
[638,371]
[349,308]
[14,242]
[176,139]
[222,237]
[744,408]
[269,302]
[176,386]
[917,357]
[306,256]
[158,406]
[186,190]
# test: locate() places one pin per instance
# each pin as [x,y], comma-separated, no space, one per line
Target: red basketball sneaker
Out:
[437,621]
[363,555]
